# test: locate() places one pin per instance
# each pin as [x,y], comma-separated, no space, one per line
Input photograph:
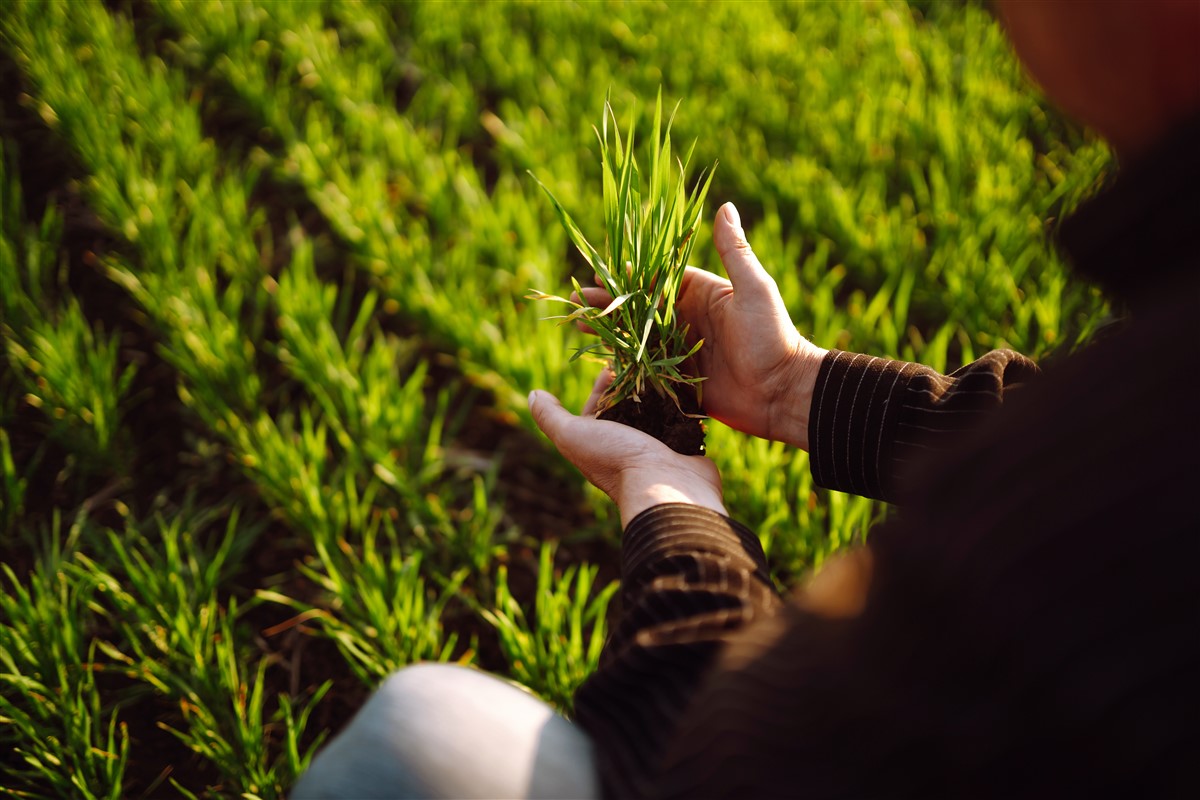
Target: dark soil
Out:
[659,416]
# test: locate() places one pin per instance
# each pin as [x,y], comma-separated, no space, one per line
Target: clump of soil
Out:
[658,416]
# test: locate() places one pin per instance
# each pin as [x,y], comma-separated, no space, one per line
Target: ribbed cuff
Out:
[852,425]
[671,529]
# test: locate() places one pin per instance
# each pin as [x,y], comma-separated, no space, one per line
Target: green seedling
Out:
[650,228]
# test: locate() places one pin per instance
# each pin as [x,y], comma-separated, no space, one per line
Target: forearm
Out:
[870,417]
[691,578]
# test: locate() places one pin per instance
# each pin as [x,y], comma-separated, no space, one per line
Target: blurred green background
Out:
[263,435]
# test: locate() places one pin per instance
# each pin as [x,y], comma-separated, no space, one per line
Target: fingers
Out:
[601,459]
[745,271]
[554,420]
[603,381]
[596,298]
[600,281]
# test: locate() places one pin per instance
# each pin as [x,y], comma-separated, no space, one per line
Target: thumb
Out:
[743,267]
[549,414]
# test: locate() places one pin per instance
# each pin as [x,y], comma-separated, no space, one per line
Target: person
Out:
[1028,624]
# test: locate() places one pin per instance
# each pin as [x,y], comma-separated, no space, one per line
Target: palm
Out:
[749,344]
[636,470]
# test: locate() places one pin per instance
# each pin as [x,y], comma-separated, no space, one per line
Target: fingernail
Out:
[731,213]
[532,399]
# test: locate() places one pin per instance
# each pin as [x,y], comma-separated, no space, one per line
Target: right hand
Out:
[760,372]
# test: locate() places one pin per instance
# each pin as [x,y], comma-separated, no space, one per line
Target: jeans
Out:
[444,731]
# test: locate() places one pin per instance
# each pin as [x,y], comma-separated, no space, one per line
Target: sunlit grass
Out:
[319,223]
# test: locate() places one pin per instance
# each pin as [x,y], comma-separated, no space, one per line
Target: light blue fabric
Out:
[444,731]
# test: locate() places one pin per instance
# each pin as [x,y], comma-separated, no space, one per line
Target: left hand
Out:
[634,469]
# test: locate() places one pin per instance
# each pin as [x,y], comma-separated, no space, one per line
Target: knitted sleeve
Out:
[872,417]
[689,579]
[692,579]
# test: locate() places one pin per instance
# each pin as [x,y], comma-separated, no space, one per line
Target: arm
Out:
[690,578]
[693,580]
[861,418]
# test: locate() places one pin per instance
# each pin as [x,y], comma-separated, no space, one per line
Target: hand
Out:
[634,469]
[760,373]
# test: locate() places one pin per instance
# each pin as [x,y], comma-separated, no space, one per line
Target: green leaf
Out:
[615,304]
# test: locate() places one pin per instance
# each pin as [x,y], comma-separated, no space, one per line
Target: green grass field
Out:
[266,347]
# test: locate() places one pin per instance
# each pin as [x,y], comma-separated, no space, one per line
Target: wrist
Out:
[790,408]
[634,499]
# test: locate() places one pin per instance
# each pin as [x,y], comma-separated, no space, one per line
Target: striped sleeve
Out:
[872,416]
[689,578]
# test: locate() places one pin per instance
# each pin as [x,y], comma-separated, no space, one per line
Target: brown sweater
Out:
[1031,622]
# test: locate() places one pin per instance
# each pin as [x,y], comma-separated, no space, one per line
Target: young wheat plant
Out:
[649,233]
